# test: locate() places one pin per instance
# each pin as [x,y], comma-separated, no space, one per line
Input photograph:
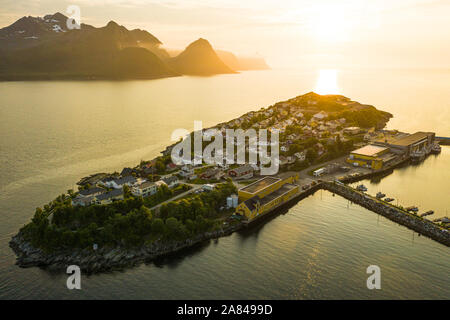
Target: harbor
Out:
[428,222]
[270,196]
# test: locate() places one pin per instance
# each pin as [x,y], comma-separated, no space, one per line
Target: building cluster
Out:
[240,172]
[110,189]
[393,145]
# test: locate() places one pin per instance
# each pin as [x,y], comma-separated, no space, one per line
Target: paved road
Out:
[195,187]
[304,175]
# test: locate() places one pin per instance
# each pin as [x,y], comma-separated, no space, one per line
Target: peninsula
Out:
[120,219]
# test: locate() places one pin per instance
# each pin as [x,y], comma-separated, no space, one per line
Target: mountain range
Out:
[44,48]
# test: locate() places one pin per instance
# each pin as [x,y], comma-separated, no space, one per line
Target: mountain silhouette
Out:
[199,58]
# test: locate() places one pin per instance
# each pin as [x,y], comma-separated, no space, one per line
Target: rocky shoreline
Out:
[105,259]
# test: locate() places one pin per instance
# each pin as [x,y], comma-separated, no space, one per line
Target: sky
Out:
[325,33]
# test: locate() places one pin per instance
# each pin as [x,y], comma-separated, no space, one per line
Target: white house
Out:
[82,201]
[300,156]
[320,116]
[118,183]
[186,171]
[208,187]
[145,189]
[171,181]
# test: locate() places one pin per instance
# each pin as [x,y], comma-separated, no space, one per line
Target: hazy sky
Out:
[316,33]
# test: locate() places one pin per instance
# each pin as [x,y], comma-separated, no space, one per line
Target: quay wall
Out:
[411,221]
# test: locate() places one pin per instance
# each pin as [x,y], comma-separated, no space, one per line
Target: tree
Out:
[126,191]
[158,225]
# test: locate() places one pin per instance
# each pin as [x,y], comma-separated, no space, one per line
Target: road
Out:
[195,187]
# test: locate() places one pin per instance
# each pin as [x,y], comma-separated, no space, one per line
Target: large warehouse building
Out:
[407,143]
[371,156]
[264,195]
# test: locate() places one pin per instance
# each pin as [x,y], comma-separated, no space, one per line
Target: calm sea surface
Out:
[53,133]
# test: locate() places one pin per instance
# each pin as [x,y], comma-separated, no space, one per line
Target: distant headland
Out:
[43,48]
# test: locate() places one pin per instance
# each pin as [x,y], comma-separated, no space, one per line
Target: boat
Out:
[361,187]
[380,195]
[428,213]
[412,208]
[436,148]
[417,156]
[443,220]
[389,199]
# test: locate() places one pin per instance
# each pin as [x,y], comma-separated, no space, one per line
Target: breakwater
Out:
[411,221]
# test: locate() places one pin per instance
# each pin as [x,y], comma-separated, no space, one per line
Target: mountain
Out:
[31,31]
[229,59]
[199,58]
[112,51]
[44,48]
[240,64]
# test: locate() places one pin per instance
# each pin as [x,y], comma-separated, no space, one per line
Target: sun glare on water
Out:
[327,82]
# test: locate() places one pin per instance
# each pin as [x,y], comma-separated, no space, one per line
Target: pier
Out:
[445,141]
[393,213]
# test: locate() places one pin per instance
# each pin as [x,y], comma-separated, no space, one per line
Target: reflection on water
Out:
[53,133]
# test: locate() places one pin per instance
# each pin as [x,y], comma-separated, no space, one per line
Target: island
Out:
[115,220]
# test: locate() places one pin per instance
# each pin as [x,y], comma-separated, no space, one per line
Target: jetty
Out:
[252,209]
[397,214]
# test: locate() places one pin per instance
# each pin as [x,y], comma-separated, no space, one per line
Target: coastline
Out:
[117,258]
[107,258]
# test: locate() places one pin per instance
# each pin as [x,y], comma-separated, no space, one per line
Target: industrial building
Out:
[403,143]
[265,195]
[370,156]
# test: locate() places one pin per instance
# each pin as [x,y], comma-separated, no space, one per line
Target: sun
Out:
[327,82]
[330,24]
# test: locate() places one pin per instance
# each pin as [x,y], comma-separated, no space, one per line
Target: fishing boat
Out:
[412,208]
[361,187]
[436,148]
[417,156]
[389,199]
[380,195]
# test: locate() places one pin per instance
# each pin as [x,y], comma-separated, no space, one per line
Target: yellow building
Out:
[369,156]
[265,195]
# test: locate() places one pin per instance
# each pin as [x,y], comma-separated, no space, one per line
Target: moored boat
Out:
[412,208]
[361,187]
[380,195]
[436,148]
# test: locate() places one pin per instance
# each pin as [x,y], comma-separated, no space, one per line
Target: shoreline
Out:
[107,258]
[118,258]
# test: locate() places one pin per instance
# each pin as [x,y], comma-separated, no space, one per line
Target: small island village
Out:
[326,142]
